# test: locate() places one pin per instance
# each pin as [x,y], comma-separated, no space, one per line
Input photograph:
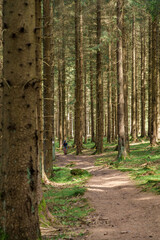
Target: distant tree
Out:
[48,92]
[99,85]
[120,81]
[79,76]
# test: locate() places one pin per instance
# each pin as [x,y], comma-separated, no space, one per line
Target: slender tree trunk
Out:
[109,136]
[60,101]
[85,104]
[91,96]
[19,219]
[143,133]
[149,77]
[133,127]
[40,111]
[154,86]
[63,74]
[48,93]
[99,90]
[121,112]
[125,75]
[79,77]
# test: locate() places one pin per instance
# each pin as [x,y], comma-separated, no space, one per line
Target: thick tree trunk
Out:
[99,84]
[48,93]
[19,219]
[121,113]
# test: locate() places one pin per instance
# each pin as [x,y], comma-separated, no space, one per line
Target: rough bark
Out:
[79,76]
[99,84]
[91,96]
[48,93]
[125,74]
[154,86]
[63,73]
[85,104]
[149,75]
[109,135]
[143,59]
[120,82]
[60,100]
[19,219]
[133,124]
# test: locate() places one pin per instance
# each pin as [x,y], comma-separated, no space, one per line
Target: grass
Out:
[66,175]
[67,203]
[142,164]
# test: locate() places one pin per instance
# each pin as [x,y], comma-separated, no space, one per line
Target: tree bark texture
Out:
[133,126]
[79,76]
[120,82]
[99,84]
[143,59]
[48,92]
[109,136]
[149,76]
[154,86]
[19,219]
[92,96]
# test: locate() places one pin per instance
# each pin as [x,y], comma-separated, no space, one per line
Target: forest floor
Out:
[122,210]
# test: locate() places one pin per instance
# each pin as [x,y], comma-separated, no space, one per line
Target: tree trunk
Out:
[85,104]
[125,74]
[60,101]
[63,74]
[79,77]
[99,90]
[19,219]
[121,113]
[154,86]
[48,93]
[149,77]
[133,127]
[91,96]
[143,132]
[109,136]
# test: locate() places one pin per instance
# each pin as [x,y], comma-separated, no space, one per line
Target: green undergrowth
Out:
[69,176]
[142,164]
[67,202]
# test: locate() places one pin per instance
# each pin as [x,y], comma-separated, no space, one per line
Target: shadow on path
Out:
[123,212]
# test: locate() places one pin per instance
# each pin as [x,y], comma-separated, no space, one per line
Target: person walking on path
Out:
[65,146]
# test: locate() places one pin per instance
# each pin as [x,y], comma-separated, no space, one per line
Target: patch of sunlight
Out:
[95,190]
[145,198]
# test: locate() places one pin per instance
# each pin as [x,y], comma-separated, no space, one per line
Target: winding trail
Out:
[123,212]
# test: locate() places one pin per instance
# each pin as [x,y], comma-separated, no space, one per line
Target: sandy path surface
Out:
[123,212]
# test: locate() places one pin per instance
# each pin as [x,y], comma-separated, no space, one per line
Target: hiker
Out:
[65,145]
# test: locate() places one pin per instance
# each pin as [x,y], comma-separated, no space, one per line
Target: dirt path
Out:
[123,212]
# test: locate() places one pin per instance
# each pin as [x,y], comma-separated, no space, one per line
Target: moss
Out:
[42,206]
[79,172]
[3,235]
